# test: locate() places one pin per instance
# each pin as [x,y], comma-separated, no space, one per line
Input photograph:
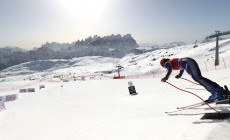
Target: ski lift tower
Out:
[217,35]
[118,69]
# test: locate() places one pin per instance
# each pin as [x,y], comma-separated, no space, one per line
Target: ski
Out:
[192,105]
[178,110]
[186,108]
[202,103]
[196,105]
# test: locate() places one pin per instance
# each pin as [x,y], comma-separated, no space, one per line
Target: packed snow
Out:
[81,100]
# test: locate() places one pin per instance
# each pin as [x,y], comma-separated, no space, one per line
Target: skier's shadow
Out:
[210,121]
[222,109]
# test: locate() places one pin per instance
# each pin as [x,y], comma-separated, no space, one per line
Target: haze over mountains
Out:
[115,46]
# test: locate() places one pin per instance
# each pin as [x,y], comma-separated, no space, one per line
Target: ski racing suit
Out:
[192,68]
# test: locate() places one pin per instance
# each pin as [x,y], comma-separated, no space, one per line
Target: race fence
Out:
[205,66]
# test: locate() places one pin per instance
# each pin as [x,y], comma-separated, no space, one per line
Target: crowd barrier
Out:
[19,86]
[7,98]
[208,65]
[2,106]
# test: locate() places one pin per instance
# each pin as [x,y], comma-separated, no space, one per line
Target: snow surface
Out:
[100,108]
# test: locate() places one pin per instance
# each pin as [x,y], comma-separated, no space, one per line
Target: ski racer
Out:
[192,68]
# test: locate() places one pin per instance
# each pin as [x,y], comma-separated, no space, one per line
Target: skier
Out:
[192,68]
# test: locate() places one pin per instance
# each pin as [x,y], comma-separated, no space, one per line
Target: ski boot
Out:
[214,98]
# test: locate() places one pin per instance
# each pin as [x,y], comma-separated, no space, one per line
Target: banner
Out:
[27,90]
[22,90]
[7,98]
[11,97]
[30,89]
[41,86]
[2,106]
[65,80]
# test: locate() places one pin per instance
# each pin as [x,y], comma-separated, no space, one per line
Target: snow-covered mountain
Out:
[173,44]
[10,49]
[108,46]
[58,46]
[12,56]
[113,46]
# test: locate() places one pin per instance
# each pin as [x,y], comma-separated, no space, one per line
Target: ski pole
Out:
[190,81]
[194,95]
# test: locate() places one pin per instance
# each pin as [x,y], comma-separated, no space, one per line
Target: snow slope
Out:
[102,109]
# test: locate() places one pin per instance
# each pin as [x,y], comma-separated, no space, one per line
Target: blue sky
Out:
[31,23]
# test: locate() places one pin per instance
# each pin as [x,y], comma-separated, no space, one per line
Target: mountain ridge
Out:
[108,46]
[116,46]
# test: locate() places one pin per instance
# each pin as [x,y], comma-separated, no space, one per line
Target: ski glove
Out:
[178,76]
[164,79]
